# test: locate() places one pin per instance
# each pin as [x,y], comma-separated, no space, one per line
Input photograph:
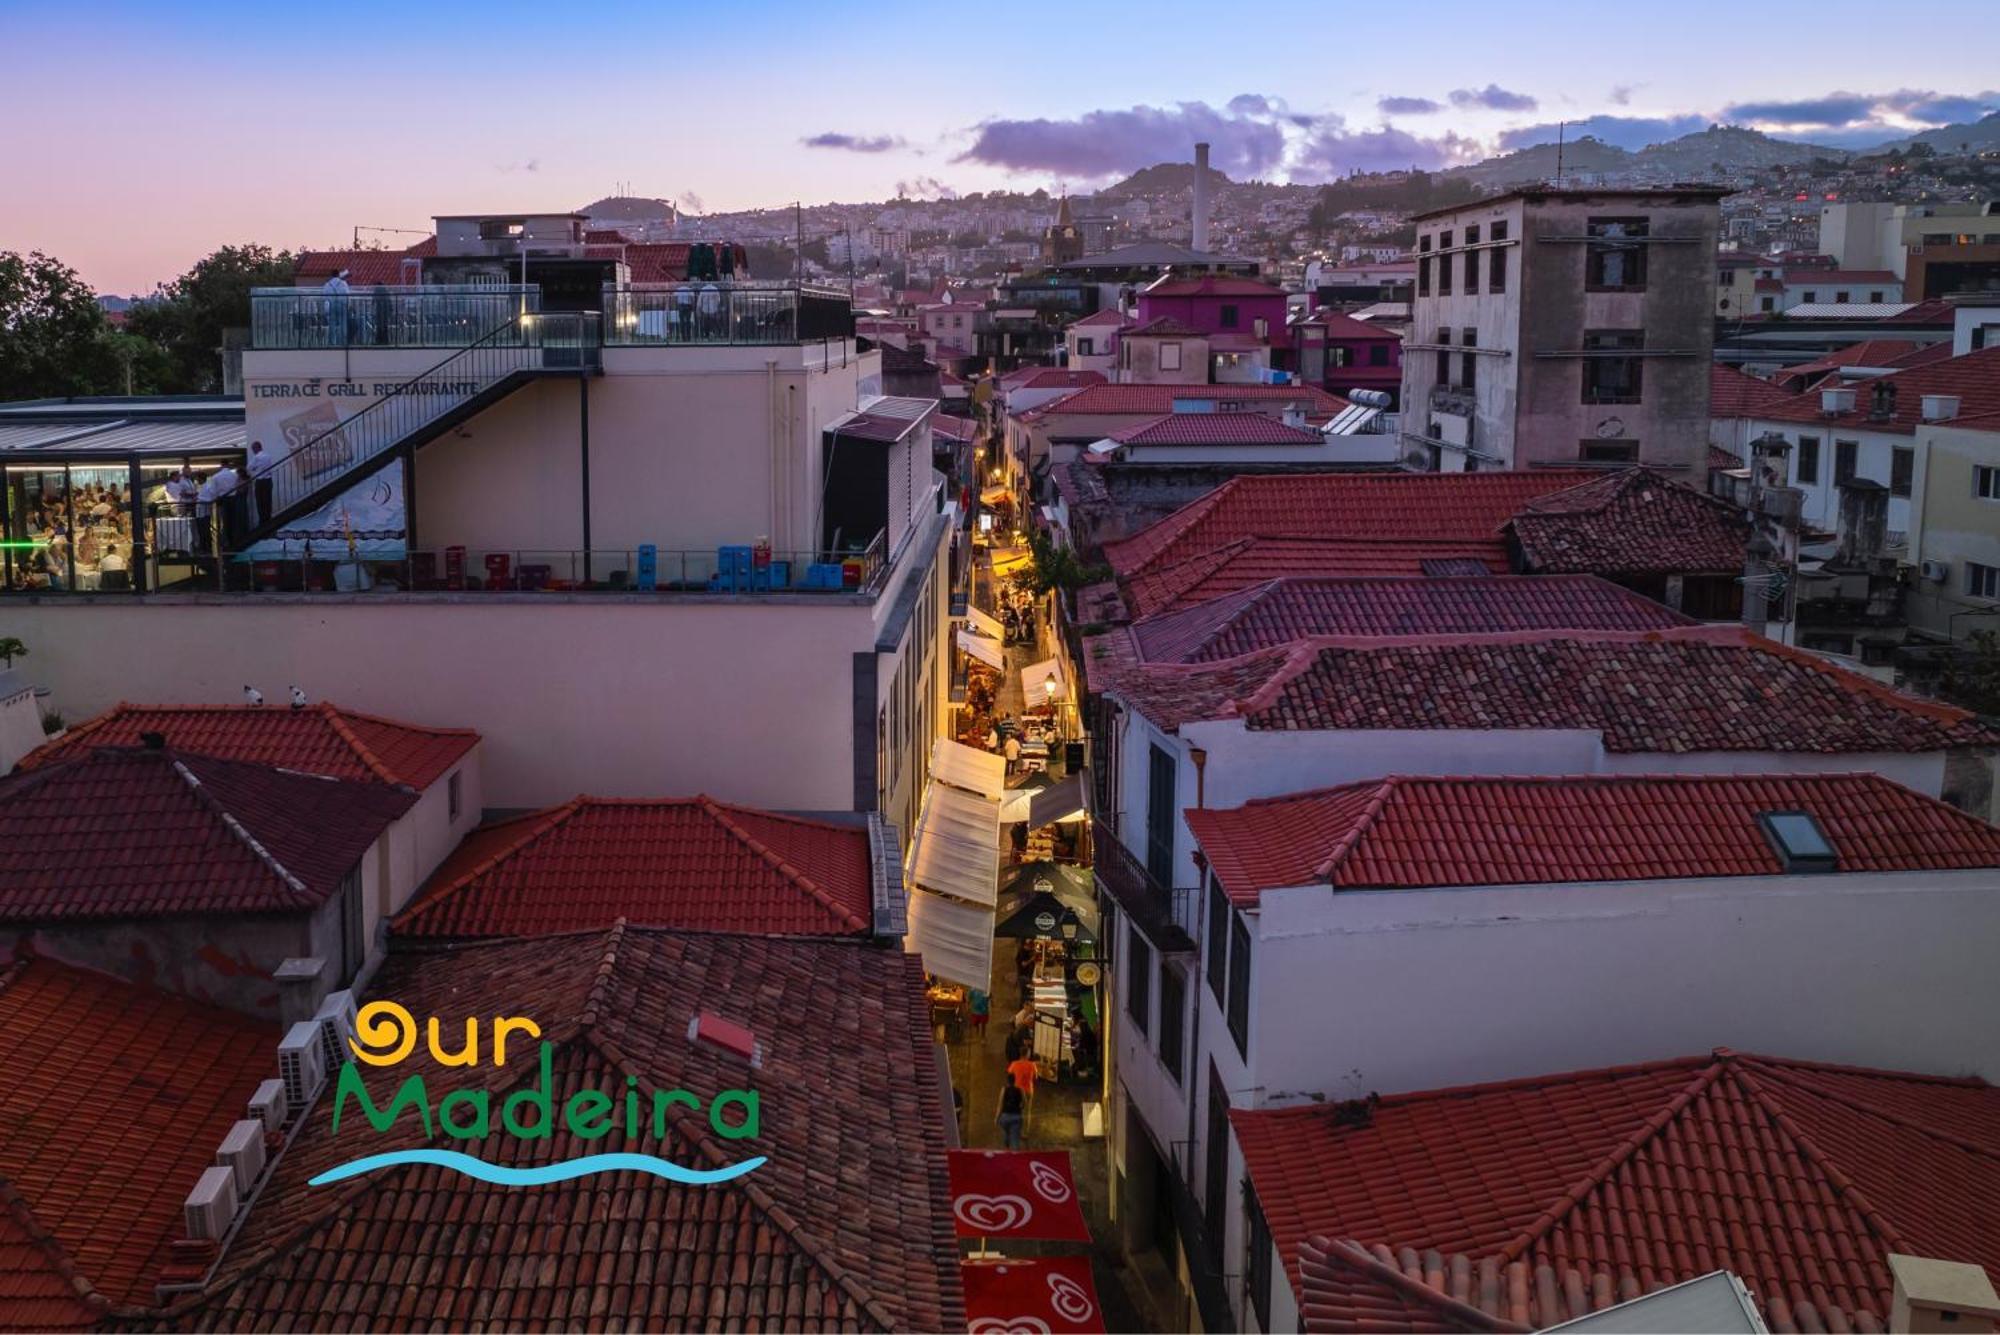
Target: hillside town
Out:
[1412,752]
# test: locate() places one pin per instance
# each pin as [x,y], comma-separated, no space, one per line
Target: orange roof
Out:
[1731,393]
[318,739]
[1974,378]
[1154,400]
[115,1099]
[691,864]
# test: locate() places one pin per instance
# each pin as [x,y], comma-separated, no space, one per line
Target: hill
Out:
[1727,148]
[1164,178]
[1538,163]
[1980,136]
[628,209]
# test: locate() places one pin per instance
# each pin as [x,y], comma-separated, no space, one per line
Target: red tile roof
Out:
[1340,325]
[1158,399]
[1052,377]
[126,832]
[1731,393]
[1280,611]
[1211,285]
[1632,522]
[318,739]
[1237,565]
[1367,507]
[1115,318]
[366,268]
[692,864]
[1799,1177]
[1869,352]
[1974,378]
[847,1225]
[1412,833]
[1215,429]
[1923,354]
[1164,326]
[1799,277]
[114,1101]
[1694,688]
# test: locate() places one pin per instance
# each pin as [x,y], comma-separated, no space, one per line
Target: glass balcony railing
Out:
[727,313]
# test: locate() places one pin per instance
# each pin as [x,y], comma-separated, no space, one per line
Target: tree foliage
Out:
[186,318]
[1057,567]
[1397,192]
[52,331]
[1972,676]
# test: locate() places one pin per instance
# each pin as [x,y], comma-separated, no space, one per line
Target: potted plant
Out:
[11,649]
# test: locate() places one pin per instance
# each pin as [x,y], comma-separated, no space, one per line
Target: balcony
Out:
[1162,914]
[1456,402]
[745,313]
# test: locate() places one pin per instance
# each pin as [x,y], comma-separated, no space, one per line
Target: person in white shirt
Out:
[216,492]
[112,559]
[336,290]
[261,464]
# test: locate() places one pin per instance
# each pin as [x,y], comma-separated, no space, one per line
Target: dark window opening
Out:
[1173,1001]
[1609,451]
[1902,470]
[1471,261]
[451,795]
[1257,1265]
[1808,459]
[1443,358]
[1161,817]
[1239,983]
[1844,452]
[1228,317]
[1615,256]
[1470,339]
[1378,354]
[1496,265]
[1444,265]
[1607,376]
[1217,942]
[1139,981]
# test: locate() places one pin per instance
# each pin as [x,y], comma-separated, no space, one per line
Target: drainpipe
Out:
[1194,1063]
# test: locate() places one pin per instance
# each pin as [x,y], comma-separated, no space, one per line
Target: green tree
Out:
[187,317]
[1972,676]
[52,330]
[1057,567]
[11,649]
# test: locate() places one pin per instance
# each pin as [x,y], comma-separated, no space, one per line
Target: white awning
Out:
[956,940]
[969,768]
[956,849]
[1035,679]
[994,495]
[985,650]
[984,624]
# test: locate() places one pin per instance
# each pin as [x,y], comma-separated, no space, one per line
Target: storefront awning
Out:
[1044,1293]
[1047,804]
[985,650]
[994,496]
[969,768]
[1035,679]
[1008,564]
[985,625]
[956,850]
[1015,1194]
[956,940]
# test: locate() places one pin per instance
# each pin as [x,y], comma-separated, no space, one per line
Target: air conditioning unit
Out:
[1937,572]
[336,1020]
[302,1063]
[211,1206]
[1832,401]
[268,1105]
[1940,407]
[242,1153]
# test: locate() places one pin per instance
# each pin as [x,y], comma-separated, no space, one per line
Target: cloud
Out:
[1334,150]
[531,165]
[1940,108]
[925,187]
[1493,98]
[1628,132]
[1407,106]
[1832,109]
[1245,141]
[689,201]
[1862,120]
[854,143]
[1621,94]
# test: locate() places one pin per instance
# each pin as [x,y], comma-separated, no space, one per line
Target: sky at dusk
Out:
[139,137]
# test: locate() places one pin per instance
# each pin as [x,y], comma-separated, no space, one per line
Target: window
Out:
[1139,980]
[1609,451]
[1808,459]
[452,790]
[1215,1181]
[1937,238]
[1496,262]
[1809,295]
[1378,354]
[1228,317]
[1085,348]
[1239,982]
[1767,305]
[1257,1265]
[1173,1001]
[1843,461]
[1444,357]
[1902,469]
[1798,840]
[1470,339]
[1161,817]
[1610,374]
[1424,272]
[1986,482]
[1982,581]
[1217,942]
[1471,261]
[1875,297]
[1444,265]
[1170,356]
[1615,255]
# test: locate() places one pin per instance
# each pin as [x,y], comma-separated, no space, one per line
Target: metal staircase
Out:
[530,346]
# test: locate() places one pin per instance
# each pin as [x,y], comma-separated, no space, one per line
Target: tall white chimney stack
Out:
[1199,241]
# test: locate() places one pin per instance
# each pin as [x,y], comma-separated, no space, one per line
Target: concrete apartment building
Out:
[1561,327]
[604,522]
[1936,249]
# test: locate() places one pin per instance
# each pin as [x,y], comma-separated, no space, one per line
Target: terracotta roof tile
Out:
[1974,378]
[318,739]
[1246,562]
[1215,429]
[1280,611]
[115,1099]
[1411,833]
[1731,393]
[1798,1177]
[1692,688]
[1055,377]
[120,832]
[1632,522]
[1164,326]
[693,864]
[847,1225]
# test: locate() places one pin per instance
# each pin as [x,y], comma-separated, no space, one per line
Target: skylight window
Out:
[1798,840]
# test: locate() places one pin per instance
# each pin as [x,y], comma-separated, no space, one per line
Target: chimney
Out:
[1864,524]
[1199,239]
[1933,1297]
[299,991]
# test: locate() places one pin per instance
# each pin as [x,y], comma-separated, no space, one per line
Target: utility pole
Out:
[1560,126]
[799,246]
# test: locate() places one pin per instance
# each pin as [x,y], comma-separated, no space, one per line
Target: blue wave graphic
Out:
[547,1173]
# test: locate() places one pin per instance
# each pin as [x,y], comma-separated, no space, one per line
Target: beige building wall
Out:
[1952,525]
[1143,360]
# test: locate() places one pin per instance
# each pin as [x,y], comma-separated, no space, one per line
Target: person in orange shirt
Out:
[1022,1072]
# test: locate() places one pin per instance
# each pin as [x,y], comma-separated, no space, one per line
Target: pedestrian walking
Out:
[1011,1114]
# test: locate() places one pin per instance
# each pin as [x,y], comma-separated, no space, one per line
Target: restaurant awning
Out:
[994,496]
[1006,564]
[984,624]
[956,849]
[1063,893]
[985,650]
[956,940]
[1044,1293]
[1035,678]
[969,768]
[1015,1194]
[1045,804]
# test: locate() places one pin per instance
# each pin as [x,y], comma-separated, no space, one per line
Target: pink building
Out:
[1216,304]
[1340,353]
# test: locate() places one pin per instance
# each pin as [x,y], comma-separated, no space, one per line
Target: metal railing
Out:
[1451,399]
[440,316]
[1164,914]
[724,313]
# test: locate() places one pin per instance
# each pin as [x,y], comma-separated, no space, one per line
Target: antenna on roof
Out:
[1559,153]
